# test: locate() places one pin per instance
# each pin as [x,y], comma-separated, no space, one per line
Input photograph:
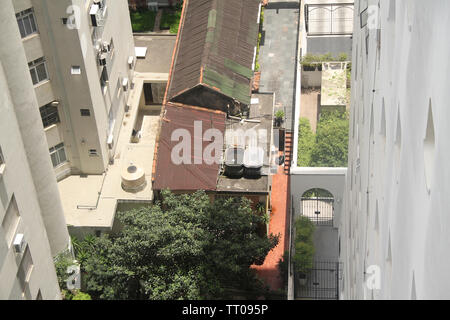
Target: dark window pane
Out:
[21,28]
[62,155]
[54,159]
[33,23]
[42,73]
[34,76]
[26,22]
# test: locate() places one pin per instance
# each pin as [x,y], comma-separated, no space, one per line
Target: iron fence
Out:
[321,283]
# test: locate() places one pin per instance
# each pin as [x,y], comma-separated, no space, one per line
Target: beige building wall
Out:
[73,44]
[29,197]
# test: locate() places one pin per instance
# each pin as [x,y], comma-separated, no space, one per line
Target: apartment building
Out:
[33,228]
[395,225]
[80,55]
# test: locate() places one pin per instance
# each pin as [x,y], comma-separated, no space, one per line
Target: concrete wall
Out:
[396,205]
[331,179]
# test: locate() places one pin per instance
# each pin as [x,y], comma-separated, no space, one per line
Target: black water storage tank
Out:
[234,159]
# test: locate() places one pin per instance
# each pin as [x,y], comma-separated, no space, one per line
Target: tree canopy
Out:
[329,146]
[184,247]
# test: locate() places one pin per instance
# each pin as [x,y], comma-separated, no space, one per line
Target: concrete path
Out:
[278,54]
[158,17]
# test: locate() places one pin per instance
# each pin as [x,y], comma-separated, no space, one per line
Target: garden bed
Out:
[142,20]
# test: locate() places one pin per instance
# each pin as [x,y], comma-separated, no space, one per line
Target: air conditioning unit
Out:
[19,243]
[131,62]
[106,47]
[97,15]
[110,142]
[102,59]
[95,9]
[125,84]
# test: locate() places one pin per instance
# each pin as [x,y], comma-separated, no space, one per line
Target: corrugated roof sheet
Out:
[216,47]
[186,177]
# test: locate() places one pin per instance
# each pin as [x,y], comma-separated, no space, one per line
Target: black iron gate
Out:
[321,283]
[319,210]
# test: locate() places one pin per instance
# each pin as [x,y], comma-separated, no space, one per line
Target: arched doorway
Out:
[318,205]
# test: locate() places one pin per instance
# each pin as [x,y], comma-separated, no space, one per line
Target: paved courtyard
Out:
[278,54]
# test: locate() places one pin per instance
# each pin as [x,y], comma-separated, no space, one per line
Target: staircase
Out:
[288,145]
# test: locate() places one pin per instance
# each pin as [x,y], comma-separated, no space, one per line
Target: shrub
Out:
[81,296]
[304,246]
[331,148]
[306,140]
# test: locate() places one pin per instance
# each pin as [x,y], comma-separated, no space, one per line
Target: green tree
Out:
[306,141]
[184,247]
[304,246]
[331,148]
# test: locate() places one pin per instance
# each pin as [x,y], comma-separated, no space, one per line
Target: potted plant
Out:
[279,117]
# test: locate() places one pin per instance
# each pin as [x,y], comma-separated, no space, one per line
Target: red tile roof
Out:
[186,177]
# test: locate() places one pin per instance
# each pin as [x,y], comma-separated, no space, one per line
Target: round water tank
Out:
[133,178]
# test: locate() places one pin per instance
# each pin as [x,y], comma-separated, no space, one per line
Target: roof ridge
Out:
[211,28]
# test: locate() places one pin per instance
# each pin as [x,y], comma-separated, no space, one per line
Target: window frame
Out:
[27,14]
[57,151]
[50,117]
[33,67]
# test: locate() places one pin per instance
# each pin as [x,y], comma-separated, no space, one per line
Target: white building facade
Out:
[81,57]
[395,226]
[33,228]
[65,75]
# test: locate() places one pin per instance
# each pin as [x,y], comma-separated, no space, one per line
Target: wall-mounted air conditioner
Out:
[19,243]
[102,59]
[131,62]
[110,141]
[106,47]
[98,15]
[95,9]
[125,84]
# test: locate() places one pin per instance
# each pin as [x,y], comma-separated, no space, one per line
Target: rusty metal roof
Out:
[186,177]
[216,47]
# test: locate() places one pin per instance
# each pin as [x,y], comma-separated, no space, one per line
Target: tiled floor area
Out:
[278,54]
[278,225]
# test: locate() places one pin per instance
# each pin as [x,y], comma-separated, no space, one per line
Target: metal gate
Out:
[319,210]
[322,283]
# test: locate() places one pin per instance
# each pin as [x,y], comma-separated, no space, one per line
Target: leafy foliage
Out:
[306,141]
[304,246]
[184,247]
[81,296]
[331,148]
[283,267]
[142,20]
[171,19]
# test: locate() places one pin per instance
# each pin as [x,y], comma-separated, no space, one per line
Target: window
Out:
[104,80]
[38,70]
[26,22]
[85,112]
[111,51]
[11,221]
[58,155]
[93,153]
[25,269]
[49,115]
[2,160]
[75,70]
